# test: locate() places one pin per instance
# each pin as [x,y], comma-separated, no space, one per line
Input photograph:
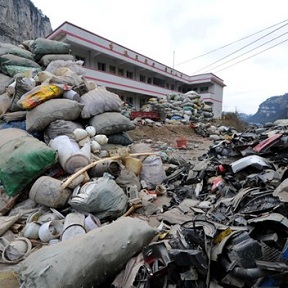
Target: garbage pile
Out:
[213,132]
[66,195]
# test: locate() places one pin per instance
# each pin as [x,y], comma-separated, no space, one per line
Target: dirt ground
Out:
[165,138]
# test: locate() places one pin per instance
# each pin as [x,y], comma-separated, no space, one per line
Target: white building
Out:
[131,75]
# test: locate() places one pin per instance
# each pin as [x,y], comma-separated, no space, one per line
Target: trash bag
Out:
[152,171]
[38,95]
[102,197]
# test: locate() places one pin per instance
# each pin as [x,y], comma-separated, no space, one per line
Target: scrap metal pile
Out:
[227,218]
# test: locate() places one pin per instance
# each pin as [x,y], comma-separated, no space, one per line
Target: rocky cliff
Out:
[20,20]
[273,108]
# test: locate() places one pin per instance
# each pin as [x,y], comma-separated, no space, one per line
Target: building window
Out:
[129,74]
[142,78]
[80,58]
[120,72]
[172,87]
[101,66]
[204,89]
[149,80]
[112,69]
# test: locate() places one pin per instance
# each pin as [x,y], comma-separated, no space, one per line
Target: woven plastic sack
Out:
[42,115]
[60,127]
[98,101]
[22,160]
[109,123]
[5,81]
[47,59]
[12,70]
[103,197]
[43,46]
[5,103]
[6,48]
[96,256]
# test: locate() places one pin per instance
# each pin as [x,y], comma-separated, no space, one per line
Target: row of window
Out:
[143,78]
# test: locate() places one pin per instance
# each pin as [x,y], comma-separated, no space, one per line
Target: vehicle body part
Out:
[267,143]
[260,204]
[253,160]
[208,226]
[194,258]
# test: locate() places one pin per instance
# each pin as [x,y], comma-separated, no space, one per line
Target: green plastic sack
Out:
[41,46]
[22,160]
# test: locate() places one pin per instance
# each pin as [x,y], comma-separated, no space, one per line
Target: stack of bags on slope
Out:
[51,103]
[185,108]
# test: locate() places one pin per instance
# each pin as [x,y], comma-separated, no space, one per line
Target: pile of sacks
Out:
[183,108]
[65,170]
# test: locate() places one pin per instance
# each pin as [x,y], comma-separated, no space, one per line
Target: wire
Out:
[245,46]
[249,51]
[252,56]
[230,43]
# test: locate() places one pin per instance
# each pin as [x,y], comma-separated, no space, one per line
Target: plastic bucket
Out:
[181,143]
[50,230]
[47,191]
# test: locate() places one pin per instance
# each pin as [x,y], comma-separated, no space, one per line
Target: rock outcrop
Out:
[21,20]
[273,108]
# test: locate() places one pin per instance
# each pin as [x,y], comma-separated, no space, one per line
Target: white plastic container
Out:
[50,230]
[70,156]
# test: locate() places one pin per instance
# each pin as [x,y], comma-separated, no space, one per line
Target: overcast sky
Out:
[187,29]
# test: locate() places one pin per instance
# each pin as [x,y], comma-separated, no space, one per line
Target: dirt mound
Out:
[166,133]
[169,133]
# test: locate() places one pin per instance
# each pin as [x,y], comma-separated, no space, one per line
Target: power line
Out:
[252,55]
[231,43]
[245,46]
[249,51]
